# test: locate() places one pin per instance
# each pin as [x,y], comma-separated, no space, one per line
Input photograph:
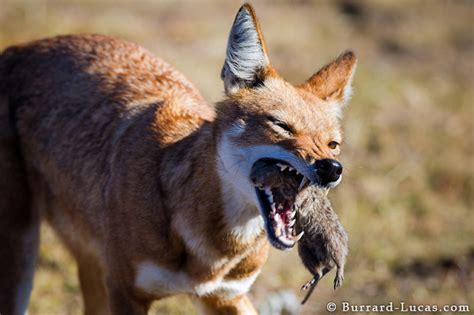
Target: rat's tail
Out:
[311,285]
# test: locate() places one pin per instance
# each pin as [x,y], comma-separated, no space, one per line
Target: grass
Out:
[407,197]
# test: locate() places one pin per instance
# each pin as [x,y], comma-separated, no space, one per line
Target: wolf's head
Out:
[265,118]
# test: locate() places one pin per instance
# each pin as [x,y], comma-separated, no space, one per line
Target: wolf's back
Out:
[74,104]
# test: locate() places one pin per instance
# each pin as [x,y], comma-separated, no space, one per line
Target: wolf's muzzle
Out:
[328,171]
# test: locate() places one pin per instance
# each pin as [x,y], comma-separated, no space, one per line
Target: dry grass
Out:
[407,197]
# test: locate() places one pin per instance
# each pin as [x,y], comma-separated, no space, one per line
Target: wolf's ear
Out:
[246,63]
[333,83]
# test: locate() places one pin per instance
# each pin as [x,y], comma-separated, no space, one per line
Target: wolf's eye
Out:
[280,124]
[284,126]
[333,145]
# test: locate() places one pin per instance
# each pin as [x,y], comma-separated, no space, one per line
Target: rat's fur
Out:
[324,244]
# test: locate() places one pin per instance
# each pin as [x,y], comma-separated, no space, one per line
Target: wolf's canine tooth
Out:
[278,231]
[303,182]
[282,166]
[278,218]
[298,237]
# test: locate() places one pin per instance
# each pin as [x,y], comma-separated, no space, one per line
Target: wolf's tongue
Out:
[285,215]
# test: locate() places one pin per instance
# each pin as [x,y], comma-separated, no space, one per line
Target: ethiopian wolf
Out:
[147,185]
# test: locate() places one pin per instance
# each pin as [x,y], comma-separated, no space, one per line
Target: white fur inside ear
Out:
[347,92]
[338,105]
[245,55]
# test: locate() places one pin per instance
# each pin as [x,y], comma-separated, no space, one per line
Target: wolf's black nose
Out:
[328,170]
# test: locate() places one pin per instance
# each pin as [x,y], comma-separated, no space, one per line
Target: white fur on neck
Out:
[240,209]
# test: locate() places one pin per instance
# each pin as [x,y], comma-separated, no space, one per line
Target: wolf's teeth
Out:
[292,214]
[273,207]
[303,182]
[278,220]
[292,222]
[282,166]
[290,168]
[298,237]
[278,231]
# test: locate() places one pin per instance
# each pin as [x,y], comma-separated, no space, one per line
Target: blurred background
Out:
[408,192]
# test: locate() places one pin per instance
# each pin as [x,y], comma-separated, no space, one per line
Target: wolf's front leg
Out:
[19,224]
[213,305]
[123,302]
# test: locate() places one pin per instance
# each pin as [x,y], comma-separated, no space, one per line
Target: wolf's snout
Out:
[328,170]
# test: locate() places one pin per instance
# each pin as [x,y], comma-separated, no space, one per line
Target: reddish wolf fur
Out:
[146,184]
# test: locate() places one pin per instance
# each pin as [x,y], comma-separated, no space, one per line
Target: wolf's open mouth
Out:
[277,184]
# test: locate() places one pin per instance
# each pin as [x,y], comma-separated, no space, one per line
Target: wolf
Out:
[147,185]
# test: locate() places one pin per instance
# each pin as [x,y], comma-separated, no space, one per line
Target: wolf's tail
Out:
[19,223]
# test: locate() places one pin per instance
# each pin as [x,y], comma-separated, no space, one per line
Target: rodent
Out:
[324,244]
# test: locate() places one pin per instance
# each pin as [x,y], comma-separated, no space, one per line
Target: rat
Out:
[324,244]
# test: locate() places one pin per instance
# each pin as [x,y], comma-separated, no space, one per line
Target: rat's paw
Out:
[338,281]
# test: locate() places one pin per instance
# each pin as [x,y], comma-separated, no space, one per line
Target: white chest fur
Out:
[156,280]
